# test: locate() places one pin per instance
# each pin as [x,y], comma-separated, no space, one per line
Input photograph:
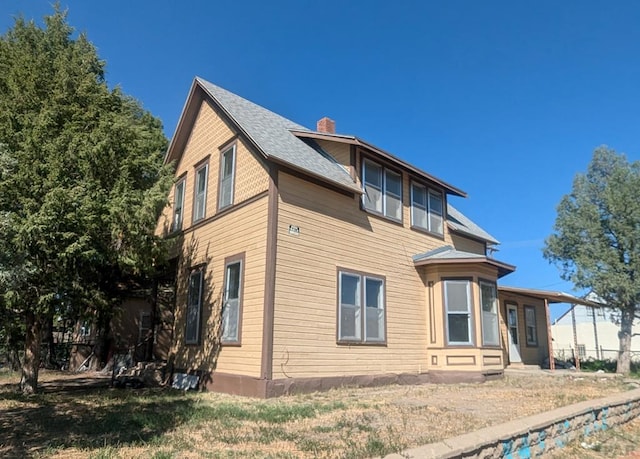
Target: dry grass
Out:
[346,423]
[620,442]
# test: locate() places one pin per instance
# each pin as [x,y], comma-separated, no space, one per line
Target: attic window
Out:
[382,190]
[426,209]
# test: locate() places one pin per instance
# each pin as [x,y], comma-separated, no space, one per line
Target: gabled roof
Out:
[449,255]
[353,140]
[458,222]
[268,132]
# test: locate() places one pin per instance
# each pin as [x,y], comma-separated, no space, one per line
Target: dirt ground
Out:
[348,422]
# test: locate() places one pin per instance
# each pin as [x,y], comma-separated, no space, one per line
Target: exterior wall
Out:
[239,229]
[530,355]
[465,244]
[340,151]
[334,233]
[605,330]
[445,357]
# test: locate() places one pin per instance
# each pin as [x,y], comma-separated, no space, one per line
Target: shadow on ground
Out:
[87,416]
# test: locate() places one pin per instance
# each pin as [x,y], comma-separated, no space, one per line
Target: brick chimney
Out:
[326,125]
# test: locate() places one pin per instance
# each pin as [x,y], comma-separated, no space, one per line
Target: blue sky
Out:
[506,100]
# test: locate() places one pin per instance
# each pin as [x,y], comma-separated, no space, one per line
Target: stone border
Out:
[534,435]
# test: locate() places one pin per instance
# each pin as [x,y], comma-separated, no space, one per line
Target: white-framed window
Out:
[382,190]
[178,205]
[582,351]
[227,175]
[194,306]
[145,326]
[361,308]
[489,302]
[426,209]
[531,328]
[457,298]
[232,304]
[200,194]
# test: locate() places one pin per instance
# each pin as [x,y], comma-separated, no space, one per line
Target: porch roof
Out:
[550,296]
[449,255]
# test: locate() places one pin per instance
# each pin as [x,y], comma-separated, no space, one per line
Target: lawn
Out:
[342,423]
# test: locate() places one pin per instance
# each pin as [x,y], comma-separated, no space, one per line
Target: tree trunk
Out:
[624,355]
[50,357]
[31,363]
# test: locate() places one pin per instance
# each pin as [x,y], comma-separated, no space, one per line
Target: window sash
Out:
[457,294]
[200,201]
[490,326]
[426,209]
[178,209]
[231,304]
[227,173]
[361,315]
[349,327]
[194,307]
[374,309]
[531,328]
[382,190]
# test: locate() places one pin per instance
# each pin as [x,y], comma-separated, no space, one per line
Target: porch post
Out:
[552,362]
[575,337]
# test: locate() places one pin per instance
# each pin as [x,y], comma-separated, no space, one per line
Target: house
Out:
[591,332]
[310,259]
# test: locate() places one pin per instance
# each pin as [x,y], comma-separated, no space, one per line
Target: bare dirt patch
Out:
[347,423]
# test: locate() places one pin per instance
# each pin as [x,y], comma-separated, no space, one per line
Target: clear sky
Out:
[504,99]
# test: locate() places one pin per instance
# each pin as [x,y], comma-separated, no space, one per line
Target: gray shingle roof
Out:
[271,133]
[459,222]
[447,253]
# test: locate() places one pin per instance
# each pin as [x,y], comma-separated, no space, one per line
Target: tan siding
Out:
[465,244]
[210,133]
[340,151]
[335,233]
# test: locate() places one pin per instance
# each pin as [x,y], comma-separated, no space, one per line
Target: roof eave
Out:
[503,268]
[550,296]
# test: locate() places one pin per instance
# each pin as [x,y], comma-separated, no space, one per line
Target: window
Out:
[227,172]
[200,198]
[178,205]
[231,307]
[145,327]
[382,190]
[582,351]
[530,324]
[356,323]
[194,307]
[457,298]
[426,209]
[490,332]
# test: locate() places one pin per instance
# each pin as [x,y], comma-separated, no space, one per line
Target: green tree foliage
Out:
[596,239]
[81,180]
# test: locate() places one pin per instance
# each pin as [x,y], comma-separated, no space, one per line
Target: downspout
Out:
[552,361]
[595,333]
[575,337]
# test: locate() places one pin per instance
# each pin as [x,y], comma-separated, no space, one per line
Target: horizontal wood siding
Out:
[333,233]
[340,151]
[465,244]
[243,230]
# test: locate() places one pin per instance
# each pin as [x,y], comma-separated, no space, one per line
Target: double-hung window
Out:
[489,301]
[200,195]
[227,173]
[194,306]
[530,325]
[231,306]
[426,209]
[457,298]
[178,205]
[382,190]
[361,308]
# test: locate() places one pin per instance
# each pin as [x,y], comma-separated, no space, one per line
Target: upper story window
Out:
[382,190]
[232,305]
[178,205]
[200,194]
[457,299]
[426,209]
[361,308]
[227,173]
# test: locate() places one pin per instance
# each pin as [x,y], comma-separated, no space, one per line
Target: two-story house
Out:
[308,259]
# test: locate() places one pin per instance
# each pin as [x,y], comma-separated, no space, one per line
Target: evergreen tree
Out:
[81,180]
[596,241]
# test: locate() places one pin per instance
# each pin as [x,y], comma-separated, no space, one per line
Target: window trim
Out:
[384,170]
[362,276]
[203,165]
[177,226]
[229,261]
[497,312]
[470,308]
[428,191]
[223,151]
[530,343]
[197,341]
